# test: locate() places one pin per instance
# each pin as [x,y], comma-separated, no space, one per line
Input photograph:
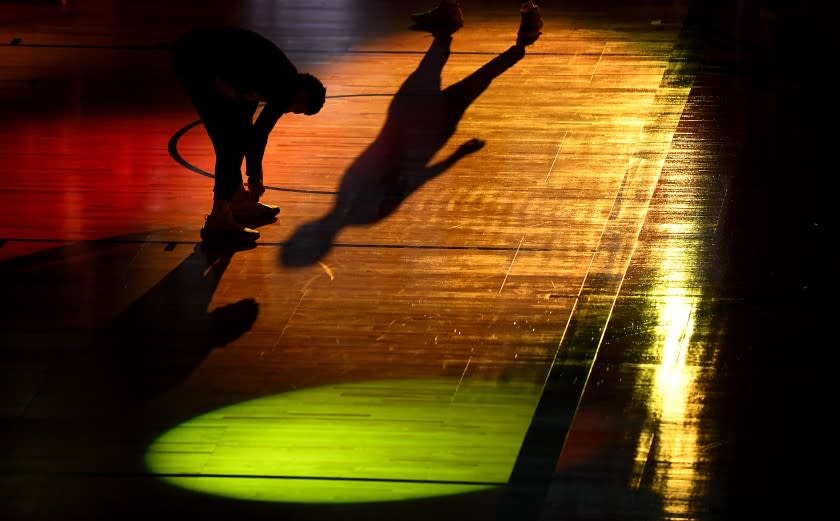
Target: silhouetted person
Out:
[446,17]
[228,72]
[422,117]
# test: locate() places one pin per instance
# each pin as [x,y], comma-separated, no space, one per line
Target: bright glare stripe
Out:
[372,441]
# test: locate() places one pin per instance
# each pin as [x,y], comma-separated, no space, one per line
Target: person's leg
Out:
[227,127]
[223,125]
[226,135]
[228,122]
[444,16]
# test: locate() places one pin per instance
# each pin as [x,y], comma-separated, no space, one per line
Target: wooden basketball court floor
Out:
[600,298]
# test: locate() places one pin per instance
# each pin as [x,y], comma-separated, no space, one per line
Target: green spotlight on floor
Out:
[374,441]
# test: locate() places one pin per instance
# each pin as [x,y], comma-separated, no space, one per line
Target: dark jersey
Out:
[241,58]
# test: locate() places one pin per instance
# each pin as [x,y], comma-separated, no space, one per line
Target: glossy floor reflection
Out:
[580,280]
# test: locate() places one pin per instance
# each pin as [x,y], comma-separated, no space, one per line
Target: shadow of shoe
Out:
[229,322]
[309,244]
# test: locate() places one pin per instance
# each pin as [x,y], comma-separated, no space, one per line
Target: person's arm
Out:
[256,147]
[226,89]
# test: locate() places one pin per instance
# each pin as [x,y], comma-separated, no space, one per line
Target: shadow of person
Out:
[421,118]
[163,336]
[110,323]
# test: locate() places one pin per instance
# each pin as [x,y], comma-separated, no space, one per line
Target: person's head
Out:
[311,95]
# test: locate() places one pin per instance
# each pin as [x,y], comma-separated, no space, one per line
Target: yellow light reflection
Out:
[371,441]
[672,434]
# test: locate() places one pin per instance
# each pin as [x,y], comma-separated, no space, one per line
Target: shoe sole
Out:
[255,219]
[264,213]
